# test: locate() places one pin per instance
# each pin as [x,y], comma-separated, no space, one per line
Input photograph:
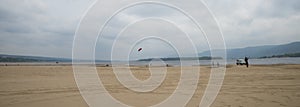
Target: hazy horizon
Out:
[47,28]
[144,57]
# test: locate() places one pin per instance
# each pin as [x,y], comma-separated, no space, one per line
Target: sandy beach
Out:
[54,86]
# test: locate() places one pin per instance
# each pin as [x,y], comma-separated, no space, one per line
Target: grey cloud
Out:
[47,27]
[257,22]
[34,27]
[278,8]
[150,10]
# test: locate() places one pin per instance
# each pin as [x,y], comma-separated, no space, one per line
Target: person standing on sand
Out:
[246,60]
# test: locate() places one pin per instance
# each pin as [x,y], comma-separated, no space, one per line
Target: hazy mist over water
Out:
[266,61]
[229,61]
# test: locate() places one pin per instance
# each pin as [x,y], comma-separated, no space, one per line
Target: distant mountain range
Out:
[260,51]
[268,51]
[21,58]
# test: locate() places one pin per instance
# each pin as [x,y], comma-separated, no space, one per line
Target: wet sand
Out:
[54,86]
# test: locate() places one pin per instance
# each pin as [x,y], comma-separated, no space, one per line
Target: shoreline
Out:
[109,65]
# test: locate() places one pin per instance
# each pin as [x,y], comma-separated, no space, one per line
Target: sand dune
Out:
[54,86]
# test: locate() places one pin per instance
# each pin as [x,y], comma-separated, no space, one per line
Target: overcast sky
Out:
[47,27]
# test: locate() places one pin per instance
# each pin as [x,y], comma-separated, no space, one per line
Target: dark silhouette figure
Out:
[246,60]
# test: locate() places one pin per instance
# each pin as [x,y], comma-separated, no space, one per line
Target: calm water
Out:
[271,61]
[178,63]
[229,61]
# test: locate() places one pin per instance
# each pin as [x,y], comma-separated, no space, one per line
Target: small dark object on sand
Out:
[167,65]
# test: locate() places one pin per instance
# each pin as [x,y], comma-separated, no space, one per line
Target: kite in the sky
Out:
[139,49]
